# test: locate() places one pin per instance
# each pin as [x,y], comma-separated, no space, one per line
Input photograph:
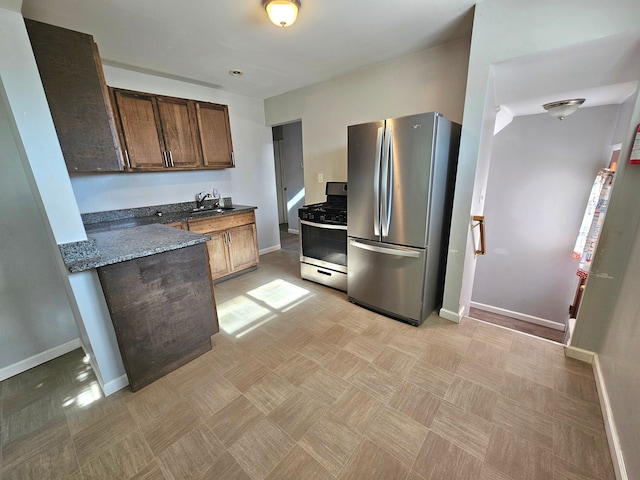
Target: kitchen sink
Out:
[202,211]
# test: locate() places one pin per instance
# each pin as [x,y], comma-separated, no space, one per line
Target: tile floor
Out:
[301,384]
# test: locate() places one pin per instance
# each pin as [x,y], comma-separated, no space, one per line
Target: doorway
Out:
[289,168]
[539,180]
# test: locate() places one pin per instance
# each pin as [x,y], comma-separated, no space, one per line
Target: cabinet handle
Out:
[233,158]
[229,237]
[164,159]
[126,156]
[171,158]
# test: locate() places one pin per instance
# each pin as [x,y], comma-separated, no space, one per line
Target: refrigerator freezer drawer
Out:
[387,278]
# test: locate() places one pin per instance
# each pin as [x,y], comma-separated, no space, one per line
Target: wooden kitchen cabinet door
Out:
[215,135]
[243,247]
[141,135]
[73,80]
[179,132]
[218,255]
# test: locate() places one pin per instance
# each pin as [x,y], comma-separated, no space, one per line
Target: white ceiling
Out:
[201,40]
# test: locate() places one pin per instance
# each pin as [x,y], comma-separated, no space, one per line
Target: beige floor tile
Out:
[57,463]
[398,434]
[152,401]
[275,355]
[525,422]
[583,450]
[441,356]
[478,372]
[490,473]
[331,442]
[150,472]
[226,468]
[371,462]
[488,354]
[233,420]
[210,397]
[297,369]
[316,324]
[416,403]
[120,459]
[356,408]
[358,320]
[46,391]
[365,348]
[528,392]
[408,343]
[378,382]
[380,332]
[298,465]
[192,455]
[225,356]
[439,459]
[163,431]
[338,336]
[500,337]
[102,433]
[583,415]
[269,392]
[297,338]
[324,387]
[472,397]
[430,378]
[518,458]
[245,374]
[261,448]
[565,471]
[190,376]
[527,367]
[297,414]
[468,431]
[447,338]
[346,365]
[575,385]
[319,351]
[394,362]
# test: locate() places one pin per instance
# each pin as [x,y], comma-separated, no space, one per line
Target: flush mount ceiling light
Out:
[563,108]
[282,13]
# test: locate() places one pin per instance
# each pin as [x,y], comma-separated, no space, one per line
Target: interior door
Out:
[364,149]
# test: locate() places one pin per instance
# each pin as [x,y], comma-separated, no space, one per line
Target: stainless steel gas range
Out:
[323,238]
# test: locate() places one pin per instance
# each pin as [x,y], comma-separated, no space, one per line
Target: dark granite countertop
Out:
[162,214]
[120,235]
[114,246]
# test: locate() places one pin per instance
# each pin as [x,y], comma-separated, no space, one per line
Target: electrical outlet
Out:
[320,178]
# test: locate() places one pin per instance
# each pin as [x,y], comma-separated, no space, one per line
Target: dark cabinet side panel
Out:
[162,310]
[72,78]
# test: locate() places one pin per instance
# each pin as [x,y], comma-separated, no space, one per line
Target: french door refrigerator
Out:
[401,173]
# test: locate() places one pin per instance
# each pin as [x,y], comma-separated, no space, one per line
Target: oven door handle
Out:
[328,226]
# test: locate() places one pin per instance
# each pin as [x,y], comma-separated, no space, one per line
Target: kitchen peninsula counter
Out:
[113,246]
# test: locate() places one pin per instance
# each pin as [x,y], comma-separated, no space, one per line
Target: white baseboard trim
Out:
[39,359]
[270,249]
[114,385]
[295,232]
[451,316]
[520,316]
[617,457]
[579,354]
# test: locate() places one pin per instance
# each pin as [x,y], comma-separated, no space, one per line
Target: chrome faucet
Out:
[200,198]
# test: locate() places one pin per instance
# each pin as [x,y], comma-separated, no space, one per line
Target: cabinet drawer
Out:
[221,223]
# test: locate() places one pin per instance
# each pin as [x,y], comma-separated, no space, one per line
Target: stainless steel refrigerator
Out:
[401,173]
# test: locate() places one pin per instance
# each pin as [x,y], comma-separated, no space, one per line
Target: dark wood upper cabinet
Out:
[73,81]
[215,135]
[158,132]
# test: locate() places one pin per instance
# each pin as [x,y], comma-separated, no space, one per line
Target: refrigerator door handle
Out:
[376,183]
[385,250]
[384,181]
[388,183]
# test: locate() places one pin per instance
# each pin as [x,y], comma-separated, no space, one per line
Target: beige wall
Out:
[431,80]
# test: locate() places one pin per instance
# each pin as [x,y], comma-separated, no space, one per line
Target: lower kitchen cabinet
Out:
[163,311]
[234,243]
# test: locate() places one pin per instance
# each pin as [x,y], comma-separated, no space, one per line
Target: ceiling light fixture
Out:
[563,108]
[282,13]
